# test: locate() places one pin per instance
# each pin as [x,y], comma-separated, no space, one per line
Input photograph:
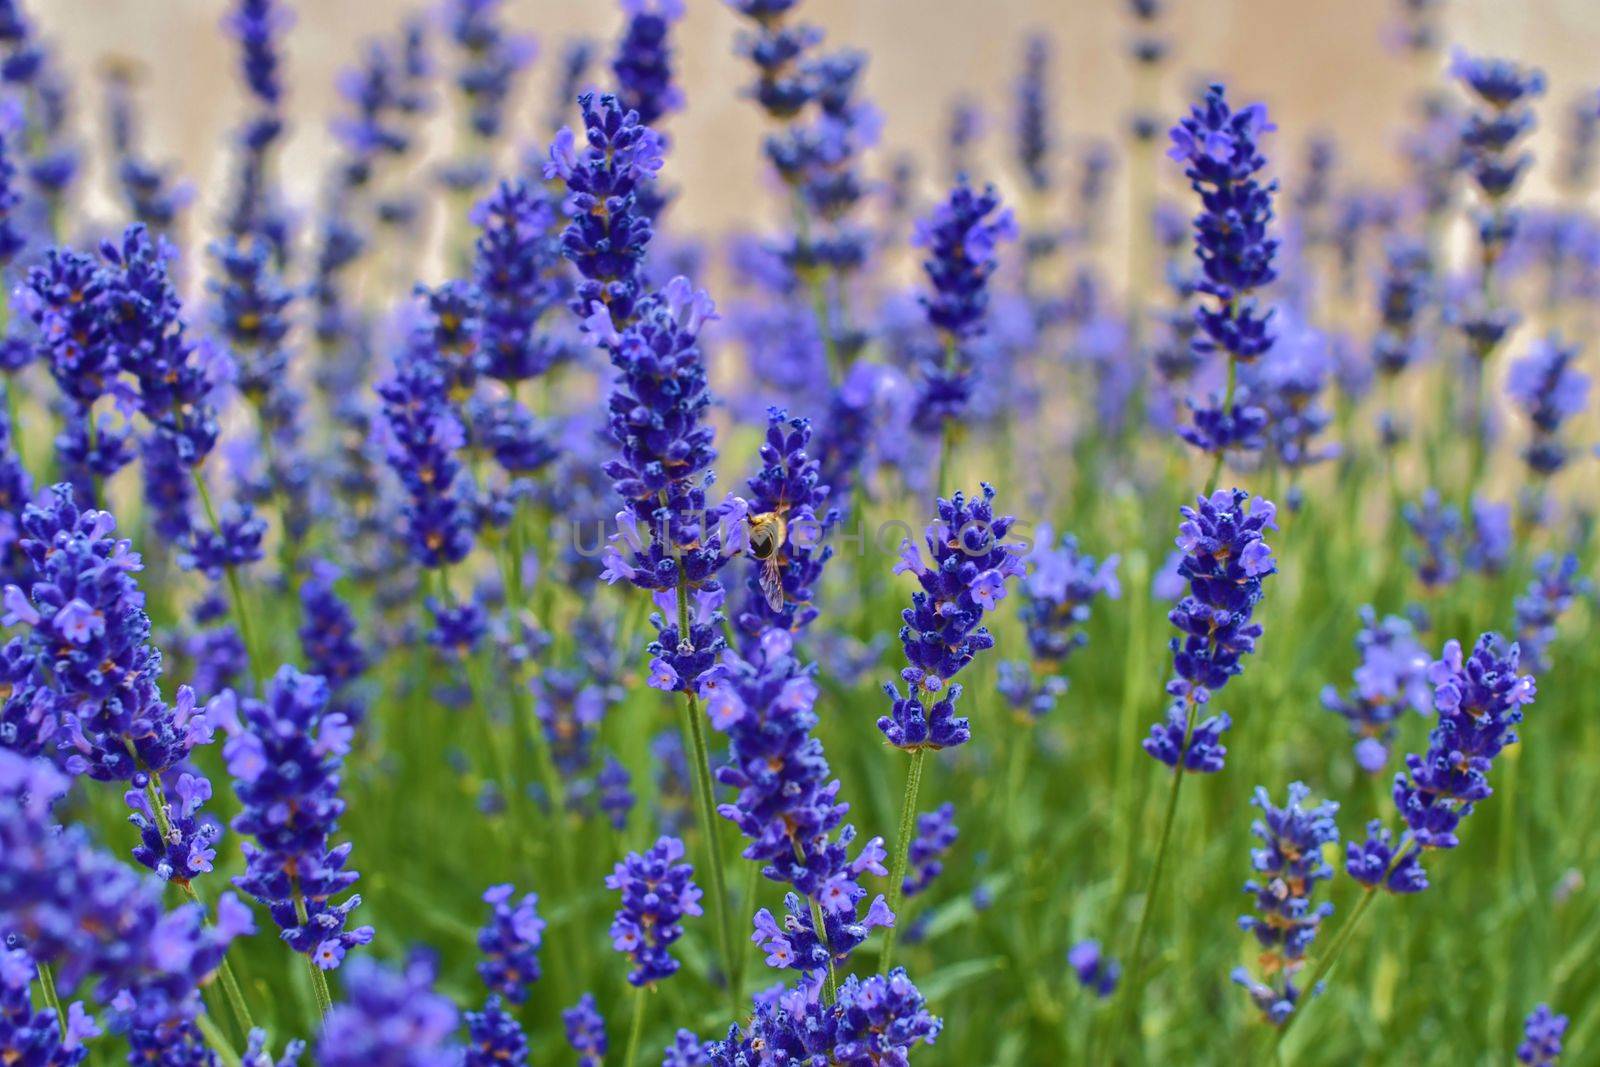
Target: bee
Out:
[768,533]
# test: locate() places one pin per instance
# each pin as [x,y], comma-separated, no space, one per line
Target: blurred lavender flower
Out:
[510,943]
[936,833]
[1542,1034]
[1060,585]
[1550,592]
[1095,971]
[1391,677]
[586,1031]
[1549,389]
[391,1016]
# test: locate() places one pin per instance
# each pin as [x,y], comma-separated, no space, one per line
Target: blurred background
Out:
[1321,66]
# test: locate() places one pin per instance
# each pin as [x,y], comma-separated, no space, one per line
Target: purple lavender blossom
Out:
[391,1016]
[1549,389]
[1550,592]
[510,943]
[961,237]
[285,758]
[1479,699]
[1095,970]
[936,834]
[657,892]
[1542,1034]
[970,564]
[586,1031]
[37,1038]
[1225,562]
[1060,585]
[1391,677]
[875,1020]
[1288,867]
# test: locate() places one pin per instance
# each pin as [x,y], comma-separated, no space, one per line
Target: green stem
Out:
[156,798]
[217,1040]
[1227,407]
[902,852]
[1134,963]
[637,1027]
[47,988]
[241,615]
[705,809]
[319,981]
[820,927]
[1325,964]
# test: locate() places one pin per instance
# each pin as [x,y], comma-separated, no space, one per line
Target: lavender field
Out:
[652,532]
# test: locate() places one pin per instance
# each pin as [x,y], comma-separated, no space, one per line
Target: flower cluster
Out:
[1479,699]
[787,804]
[1542,1034]
[1375,862]
[285,756]
[328,637]
[1550,389]
[491,59]
[1551,590]
[607,235]
[1391,677]
[657,892]
[495,1037]
[1225,560]
[514,255]
[390,1016]
[1288,867]
[186,848]
[1061,584]
[961,237]
[510,943]
[1491,136]
[787,488]
[936,833]
[586,1031]
[971,562]
[37,1038]
[875,1020]
[1094,969]
[1221,152]
[89,916]
[643,63]
[423,435]
[87,647]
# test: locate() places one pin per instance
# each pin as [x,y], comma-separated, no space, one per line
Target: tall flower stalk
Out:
[665,543]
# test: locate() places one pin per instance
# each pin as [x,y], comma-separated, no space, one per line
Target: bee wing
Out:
[771,579]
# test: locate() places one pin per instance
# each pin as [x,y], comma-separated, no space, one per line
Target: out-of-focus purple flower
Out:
[392,1017]
[1550,592]
[586,1031]
[510,943]
[1096,971]
[1542,1034]
[1391,677]
[936,833]
[1060,585]
[1550,389]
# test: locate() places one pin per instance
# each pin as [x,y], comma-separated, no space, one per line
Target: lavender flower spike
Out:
[971,563]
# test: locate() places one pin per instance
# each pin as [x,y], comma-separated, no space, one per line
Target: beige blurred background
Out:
[1319,64]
